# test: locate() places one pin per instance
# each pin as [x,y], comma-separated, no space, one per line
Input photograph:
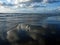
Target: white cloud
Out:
[21,8]
[23,0]
[8,1]
[19,1]
[44,1]
[5,9]
[1,2]
[16,1]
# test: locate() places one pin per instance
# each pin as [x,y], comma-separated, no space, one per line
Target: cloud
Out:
[28,3]
[17,1]
[5,9]
[1,2]
[50,1]
[45,1]
[34,3]
[8,1]
[28,7]
[37,5]
[36,0]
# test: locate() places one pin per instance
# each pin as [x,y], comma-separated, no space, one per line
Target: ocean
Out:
[8,21]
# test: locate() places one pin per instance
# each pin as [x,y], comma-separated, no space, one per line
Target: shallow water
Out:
[8,21]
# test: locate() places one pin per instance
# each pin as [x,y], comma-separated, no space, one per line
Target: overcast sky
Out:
[29,6]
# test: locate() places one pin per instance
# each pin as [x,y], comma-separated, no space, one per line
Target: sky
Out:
[29,6]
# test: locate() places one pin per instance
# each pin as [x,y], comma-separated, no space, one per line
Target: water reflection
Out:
[23,33]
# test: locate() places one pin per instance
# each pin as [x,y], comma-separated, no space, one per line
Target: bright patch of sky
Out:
[29,6]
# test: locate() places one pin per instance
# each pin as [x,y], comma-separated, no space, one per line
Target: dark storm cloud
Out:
[48,1]
[36,0]
[52,1]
